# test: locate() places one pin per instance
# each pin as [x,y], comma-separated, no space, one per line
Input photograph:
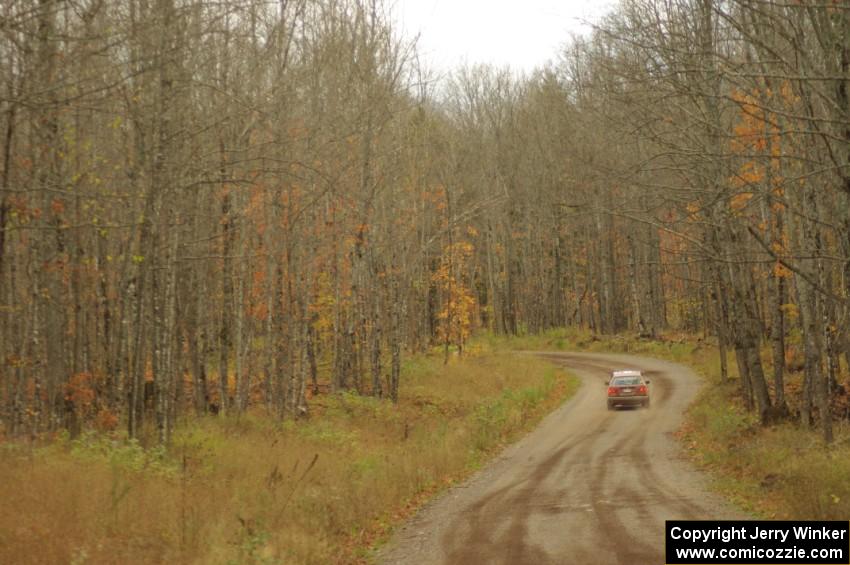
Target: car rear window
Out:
[625,381]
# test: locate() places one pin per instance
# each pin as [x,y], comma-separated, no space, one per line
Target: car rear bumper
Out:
[627,400]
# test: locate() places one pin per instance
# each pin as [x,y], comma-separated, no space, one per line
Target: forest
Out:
[210,207]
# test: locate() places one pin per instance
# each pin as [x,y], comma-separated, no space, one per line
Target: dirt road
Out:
[587,486]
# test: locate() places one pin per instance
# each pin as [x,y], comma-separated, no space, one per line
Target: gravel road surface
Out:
[587,486]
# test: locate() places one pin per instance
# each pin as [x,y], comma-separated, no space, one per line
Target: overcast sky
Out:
[523,34]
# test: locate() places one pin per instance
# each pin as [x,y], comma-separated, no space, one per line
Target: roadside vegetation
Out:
[782,471]
[252,490]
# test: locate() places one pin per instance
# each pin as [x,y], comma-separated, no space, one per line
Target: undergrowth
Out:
[253,490]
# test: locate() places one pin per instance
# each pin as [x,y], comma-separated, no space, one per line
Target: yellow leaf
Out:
[740,201]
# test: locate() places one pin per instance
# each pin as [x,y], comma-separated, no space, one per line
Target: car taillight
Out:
[612,391]
[642,389]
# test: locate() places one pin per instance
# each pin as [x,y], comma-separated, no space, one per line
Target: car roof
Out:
[627,373]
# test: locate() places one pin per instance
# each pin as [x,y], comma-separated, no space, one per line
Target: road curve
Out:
[587,486]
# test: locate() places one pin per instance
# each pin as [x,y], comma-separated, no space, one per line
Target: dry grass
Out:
[256,491]
[780,472]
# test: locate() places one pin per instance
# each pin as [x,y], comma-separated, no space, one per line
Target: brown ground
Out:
[587,486]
